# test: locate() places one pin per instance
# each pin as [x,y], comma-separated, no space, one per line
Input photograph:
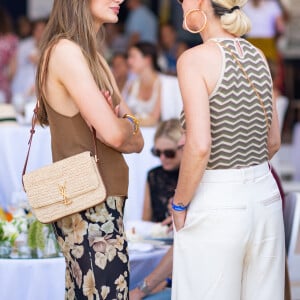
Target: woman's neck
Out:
[214,30]
[148,75]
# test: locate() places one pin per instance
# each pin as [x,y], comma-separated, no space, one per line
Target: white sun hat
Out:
[8,114]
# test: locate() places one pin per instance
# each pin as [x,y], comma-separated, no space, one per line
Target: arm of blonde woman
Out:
[197,137]
[81,89]
[147,208]
[274,137]
[154,279]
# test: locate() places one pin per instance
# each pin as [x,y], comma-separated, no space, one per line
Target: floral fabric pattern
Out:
[95,248]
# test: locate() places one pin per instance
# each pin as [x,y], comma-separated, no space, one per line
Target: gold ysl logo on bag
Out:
[62,191]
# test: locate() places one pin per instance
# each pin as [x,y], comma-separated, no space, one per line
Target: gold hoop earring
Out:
[192,11]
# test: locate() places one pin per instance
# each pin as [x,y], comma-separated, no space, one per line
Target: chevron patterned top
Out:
[238,123]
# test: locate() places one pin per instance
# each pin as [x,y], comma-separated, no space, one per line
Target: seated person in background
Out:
[156,284]
[162,180]
[120,69]
[8,49]
[267,23]
[144,96]
[282,101]
[140,23]
[23,83]
[170,48]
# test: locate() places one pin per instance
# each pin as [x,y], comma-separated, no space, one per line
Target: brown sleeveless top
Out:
[71,135]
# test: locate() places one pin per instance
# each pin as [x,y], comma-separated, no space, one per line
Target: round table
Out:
[44,278]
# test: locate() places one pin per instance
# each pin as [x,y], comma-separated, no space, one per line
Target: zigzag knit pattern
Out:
[238,125]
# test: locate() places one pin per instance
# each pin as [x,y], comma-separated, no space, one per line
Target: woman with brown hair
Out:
[144,92]
[76,91]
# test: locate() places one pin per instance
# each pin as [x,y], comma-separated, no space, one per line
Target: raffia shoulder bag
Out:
[65,187]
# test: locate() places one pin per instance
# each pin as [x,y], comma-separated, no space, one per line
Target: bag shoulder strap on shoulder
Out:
[45,63]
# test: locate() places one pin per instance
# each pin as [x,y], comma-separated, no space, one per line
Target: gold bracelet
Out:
[134,121]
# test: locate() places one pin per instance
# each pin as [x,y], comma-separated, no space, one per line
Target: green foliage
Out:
[36,237]
[1,232]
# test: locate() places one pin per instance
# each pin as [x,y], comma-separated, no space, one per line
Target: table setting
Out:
[29,254]
[22,236]
[146,232]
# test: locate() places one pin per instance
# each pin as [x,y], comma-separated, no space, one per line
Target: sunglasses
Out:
[168,153]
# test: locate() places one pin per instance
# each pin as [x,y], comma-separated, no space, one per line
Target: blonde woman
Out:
[76,90]
[162,180]
[227,211]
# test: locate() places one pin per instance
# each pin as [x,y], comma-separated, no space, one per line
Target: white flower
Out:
[19,213]
[21,224]
[10,231]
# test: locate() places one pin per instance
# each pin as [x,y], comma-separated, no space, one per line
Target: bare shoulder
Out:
[199,57]
[65,50]
[203,62]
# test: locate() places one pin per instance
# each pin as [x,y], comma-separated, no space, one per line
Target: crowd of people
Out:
[145,45]
[134,74]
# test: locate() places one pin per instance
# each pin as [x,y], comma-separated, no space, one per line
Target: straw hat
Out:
[7,114]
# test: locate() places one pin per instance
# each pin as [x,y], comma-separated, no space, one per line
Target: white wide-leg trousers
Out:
[232,244]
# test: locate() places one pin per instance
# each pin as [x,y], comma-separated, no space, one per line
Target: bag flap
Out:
[62,180]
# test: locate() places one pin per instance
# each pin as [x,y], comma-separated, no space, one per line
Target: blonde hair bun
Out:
[235,20]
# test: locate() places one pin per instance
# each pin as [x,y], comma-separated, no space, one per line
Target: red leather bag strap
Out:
[32,131]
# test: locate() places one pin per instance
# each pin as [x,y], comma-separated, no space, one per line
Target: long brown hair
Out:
[72,20]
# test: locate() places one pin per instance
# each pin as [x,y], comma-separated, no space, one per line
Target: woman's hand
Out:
[136,294]
[108,98]
[179,219]
[169,222]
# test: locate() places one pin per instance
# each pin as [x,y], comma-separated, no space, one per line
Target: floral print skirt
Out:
[95,248]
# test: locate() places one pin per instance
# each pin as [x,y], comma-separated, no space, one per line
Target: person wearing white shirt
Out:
[27,58]
[266,23]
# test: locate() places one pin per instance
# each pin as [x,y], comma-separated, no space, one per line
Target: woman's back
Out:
[226,205]
[238,123]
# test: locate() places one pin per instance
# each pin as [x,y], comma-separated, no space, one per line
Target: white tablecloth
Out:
[44,279]
[13,151]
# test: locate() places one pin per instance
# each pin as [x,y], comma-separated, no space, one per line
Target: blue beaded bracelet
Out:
[169,282]
[179,207]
